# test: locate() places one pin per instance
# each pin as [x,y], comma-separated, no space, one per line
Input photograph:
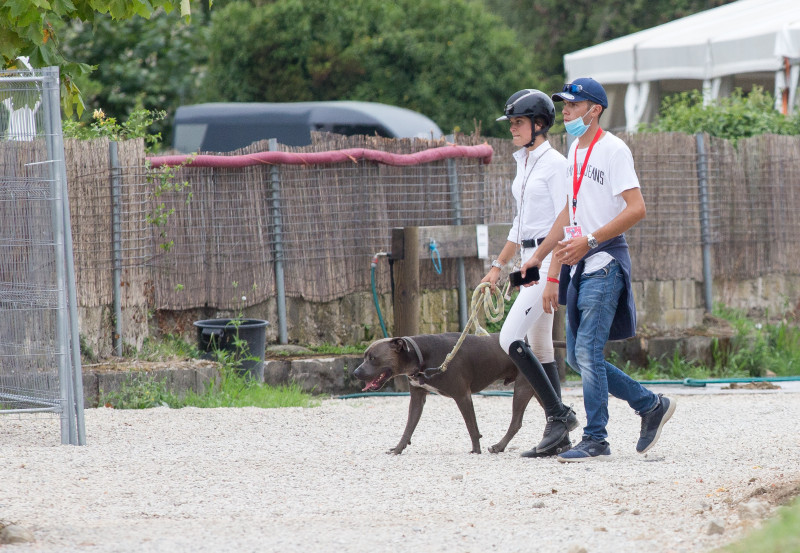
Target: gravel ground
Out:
[298,480]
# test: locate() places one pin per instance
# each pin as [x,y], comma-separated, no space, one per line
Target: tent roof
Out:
[741,37]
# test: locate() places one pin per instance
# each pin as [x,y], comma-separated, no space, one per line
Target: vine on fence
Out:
[164,176]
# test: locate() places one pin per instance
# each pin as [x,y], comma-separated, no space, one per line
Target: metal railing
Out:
[40,368]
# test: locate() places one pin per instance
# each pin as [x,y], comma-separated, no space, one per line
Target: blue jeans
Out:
[598,295]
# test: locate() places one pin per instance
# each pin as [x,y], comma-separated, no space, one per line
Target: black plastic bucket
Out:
[220,334]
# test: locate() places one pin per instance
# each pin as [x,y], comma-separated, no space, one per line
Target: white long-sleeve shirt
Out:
[543,174]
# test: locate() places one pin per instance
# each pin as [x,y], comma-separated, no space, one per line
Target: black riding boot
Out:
[551,370]
[560,418]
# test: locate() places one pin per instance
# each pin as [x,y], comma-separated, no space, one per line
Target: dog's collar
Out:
[410,342]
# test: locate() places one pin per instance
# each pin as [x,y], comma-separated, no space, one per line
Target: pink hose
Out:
[483,151]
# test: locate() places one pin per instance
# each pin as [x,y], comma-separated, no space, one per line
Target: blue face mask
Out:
[577,127]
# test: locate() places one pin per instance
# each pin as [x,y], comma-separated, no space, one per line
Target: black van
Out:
[222,127]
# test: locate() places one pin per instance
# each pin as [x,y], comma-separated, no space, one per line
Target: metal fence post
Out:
[72,293]
[68,379]
[455,194]
[277,231]
[113,162]
[705,222]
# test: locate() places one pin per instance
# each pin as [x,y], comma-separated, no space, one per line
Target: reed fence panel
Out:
[225,226]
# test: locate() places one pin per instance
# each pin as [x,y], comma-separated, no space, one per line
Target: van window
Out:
[222,127]
[352,130]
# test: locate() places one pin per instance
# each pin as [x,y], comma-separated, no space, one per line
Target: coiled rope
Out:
[494,308]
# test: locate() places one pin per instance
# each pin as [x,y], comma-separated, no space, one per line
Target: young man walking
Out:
[604,201]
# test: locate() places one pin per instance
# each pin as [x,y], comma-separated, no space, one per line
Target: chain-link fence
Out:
[39,357]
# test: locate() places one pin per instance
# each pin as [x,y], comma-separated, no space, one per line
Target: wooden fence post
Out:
[407,299]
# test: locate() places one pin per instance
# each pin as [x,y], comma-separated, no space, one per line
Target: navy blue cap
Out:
[583,89]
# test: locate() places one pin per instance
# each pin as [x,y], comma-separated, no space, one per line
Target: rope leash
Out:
[493,310]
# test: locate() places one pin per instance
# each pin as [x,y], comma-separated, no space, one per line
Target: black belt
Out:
[532,242]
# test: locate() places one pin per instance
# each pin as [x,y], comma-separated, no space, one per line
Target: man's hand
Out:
[550,297]
[571,251]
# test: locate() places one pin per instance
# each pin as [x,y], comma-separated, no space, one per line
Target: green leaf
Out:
[10,43]
[63,7]
[142,8]
[18,8]
[118,9]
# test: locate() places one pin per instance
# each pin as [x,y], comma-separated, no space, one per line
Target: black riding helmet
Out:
[531,103]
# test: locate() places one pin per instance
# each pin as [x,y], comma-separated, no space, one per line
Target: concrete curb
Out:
[317,375]
[178,381]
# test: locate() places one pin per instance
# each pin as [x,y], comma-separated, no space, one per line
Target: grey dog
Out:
[478,363]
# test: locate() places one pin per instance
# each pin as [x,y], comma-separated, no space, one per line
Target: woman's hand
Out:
[528,265]
[492,277]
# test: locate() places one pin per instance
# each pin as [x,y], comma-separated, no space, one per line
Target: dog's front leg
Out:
[468,412]
[418,397]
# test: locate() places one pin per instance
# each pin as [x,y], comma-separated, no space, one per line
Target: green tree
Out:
[448,59]
[733,117]
[28,28]
[153,63]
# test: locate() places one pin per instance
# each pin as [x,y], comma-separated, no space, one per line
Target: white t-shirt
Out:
[542,173]
[610,172]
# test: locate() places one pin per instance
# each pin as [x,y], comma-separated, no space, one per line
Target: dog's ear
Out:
[398,345]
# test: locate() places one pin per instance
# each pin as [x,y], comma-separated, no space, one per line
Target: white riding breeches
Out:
[527,316]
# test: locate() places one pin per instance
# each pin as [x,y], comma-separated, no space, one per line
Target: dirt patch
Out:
[777,494]
[751,386]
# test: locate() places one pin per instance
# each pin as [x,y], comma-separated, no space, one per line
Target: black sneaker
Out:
[557,428]
[652,423]
[560,447]
[587,450]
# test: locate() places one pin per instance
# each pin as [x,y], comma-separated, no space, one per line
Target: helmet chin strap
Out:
[534,135]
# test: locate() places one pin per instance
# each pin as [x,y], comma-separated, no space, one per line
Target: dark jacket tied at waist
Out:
[624,323]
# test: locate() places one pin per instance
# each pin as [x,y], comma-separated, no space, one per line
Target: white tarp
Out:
[747,36]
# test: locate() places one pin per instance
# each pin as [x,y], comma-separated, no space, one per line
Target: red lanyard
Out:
[577,180]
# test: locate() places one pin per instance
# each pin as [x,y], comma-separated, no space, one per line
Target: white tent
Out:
[741,44]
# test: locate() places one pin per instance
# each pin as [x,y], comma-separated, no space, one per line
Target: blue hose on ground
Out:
[691,382]
[375,291]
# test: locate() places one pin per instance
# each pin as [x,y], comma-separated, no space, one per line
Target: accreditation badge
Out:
[573,231]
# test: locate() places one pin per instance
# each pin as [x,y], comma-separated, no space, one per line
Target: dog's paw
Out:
[495,449]
[398,449]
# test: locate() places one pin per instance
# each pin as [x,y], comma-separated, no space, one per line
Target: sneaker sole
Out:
[667,416]
[600,458]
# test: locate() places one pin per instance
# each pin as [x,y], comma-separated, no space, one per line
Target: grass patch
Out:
[761,345]
[337,350]
[166,348]
[230,387]
[251,394]
[781,534]
[676,368]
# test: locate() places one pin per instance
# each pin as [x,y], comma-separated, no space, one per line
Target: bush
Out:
[137,126]
[738,116]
